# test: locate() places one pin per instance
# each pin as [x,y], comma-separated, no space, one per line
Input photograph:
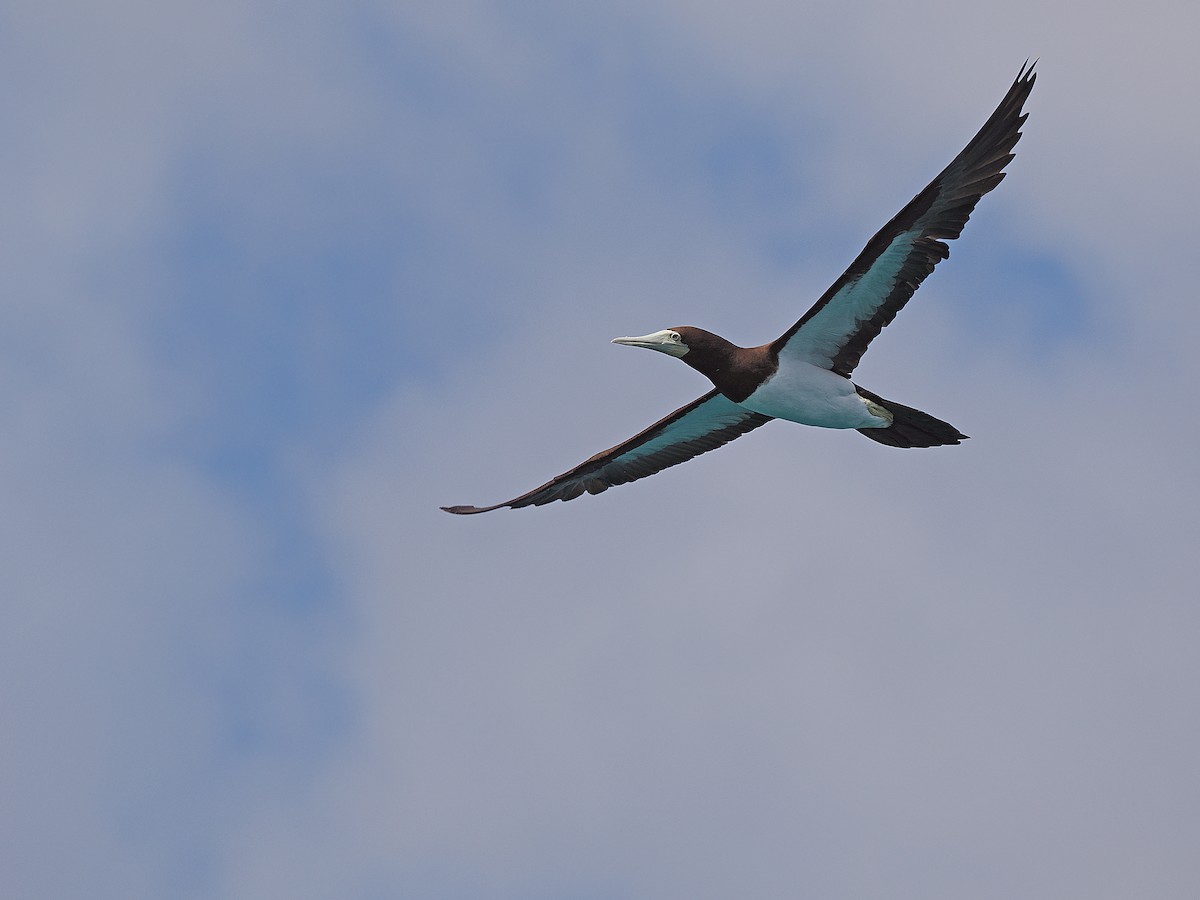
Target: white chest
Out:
[800,392]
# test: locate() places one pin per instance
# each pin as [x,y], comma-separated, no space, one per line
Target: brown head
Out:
[736,371]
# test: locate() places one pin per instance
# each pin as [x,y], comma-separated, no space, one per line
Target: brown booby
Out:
[804,375]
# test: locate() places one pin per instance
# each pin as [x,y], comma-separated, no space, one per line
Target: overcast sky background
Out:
[278,280]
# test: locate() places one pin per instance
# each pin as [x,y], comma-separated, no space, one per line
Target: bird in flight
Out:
[804,374]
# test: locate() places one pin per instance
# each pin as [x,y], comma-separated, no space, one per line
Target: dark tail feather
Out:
[910,427]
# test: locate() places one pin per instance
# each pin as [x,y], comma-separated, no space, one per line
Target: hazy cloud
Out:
[275,286]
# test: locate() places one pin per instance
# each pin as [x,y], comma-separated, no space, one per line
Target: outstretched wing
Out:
[836,331]
[704,424]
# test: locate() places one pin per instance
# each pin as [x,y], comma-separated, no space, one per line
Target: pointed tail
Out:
[910,427]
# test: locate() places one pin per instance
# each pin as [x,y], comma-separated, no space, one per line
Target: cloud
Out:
[277,287]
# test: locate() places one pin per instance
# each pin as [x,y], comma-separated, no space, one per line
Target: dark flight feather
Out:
[839,327]
[704,424]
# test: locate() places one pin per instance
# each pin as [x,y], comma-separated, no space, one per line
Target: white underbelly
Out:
[800,392]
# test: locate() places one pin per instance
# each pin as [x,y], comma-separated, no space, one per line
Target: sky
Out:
[277,281]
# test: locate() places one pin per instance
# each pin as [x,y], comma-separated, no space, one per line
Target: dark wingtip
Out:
[462,510]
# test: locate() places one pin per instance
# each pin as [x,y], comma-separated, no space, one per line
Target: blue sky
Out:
[278,283]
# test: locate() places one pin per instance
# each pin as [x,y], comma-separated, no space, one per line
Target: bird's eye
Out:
[675,336]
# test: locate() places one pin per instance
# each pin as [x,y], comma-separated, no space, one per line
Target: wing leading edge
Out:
[836,331]
[704,424]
